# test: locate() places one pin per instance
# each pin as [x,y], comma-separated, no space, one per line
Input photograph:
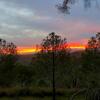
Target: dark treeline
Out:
[74,70]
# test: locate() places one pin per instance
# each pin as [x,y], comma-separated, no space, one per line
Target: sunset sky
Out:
[27,22]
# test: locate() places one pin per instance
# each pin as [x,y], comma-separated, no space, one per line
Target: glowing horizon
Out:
[29,50]
[26,50]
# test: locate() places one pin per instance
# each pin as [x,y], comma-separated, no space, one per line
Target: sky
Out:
[27,22]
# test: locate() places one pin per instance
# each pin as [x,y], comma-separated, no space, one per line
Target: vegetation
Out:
[76,73]
[65,6]
[8,58]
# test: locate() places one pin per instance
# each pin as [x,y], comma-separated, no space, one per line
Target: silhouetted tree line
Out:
[8,57]
[73,70]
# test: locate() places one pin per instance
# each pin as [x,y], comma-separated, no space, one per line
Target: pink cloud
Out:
[77,26]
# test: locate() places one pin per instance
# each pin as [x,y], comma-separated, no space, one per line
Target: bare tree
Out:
[65,6]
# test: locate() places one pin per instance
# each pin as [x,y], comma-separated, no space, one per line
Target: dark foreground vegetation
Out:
[77,74]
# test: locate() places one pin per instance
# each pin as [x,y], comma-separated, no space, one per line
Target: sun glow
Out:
[76,46]
[27,50]
[30,50]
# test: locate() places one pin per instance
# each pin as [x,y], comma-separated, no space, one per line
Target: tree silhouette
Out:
[54,53]
[90,70]
[54,43]
[8,58]
[94,43]
[7,48]
[91,57]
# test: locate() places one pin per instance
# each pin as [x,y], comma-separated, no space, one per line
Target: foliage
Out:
[65,6]
[54,42]
[90,69]
[43,59]
[7,48]
[74,70]
[23,75]
[91,60]
[8,58]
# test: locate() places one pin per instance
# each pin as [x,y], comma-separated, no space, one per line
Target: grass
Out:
[32,98]
[36,93]
[37,98]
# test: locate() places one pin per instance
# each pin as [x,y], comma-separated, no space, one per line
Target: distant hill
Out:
[25,59]
[77,53]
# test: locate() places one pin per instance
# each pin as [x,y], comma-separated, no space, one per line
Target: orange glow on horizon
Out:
[26,50]
[76,46]
[29,50]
